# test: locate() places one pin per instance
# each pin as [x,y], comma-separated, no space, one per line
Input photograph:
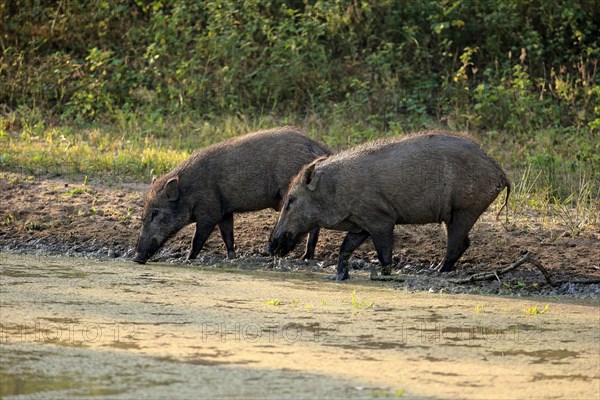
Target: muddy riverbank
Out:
[82,218]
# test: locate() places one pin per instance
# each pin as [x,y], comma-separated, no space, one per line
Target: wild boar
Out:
[248,173]
[425,178]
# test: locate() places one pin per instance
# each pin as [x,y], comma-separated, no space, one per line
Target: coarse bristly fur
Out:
[246,173]
[429,177]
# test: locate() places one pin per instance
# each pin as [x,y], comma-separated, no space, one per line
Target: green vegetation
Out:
[128,89]
[356,303]
[479,309]
[273,302]
[387,394]
[534,310]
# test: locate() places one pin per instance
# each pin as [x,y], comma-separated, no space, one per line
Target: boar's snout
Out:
[281,244]
[145,250]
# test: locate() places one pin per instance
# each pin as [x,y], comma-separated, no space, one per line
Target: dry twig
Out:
[530,258]
[485,276]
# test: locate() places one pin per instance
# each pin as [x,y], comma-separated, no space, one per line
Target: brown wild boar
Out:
[247,173]
[427,178]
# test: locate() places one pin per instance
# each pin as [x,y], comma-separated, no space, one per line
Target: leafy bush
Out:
[480,64]
[521,75]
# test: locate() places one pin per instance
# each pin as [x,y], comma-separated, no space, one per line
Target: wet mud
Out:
[109,328]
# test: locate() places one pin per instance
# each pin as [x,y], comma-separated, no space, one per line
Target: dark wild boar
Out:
[427,178]
[248,173]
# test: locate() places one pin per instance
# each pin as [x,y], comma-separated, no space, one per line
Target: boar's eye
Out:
[153,214]
[291,199]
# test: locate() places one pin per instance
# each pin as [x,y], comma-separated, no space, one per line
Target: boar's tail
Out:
[505,205]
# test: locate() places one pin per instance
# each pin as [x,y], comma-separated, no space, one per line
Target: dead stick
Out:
[484,276]
[498,278]
[543,270]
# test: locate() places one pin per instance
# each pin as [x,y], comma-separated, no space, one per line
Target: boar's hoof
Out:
[444,267]
[139,260]
[386,269]
[231,255]
[340,277]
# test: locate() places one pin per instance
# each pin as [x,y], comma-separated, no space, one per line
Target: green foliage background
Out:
[517,65]
[521,75]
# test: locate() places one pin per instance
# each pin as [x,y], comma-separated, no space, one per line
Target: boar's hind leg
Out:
[384,244]
[458,238]
[226,228]
[311,243]
[202,233]
[350,243]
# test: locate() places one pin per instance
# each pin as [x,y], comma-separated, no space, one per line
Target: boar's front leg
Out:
[226,228]
[352,240]
[311,243]
[203,231]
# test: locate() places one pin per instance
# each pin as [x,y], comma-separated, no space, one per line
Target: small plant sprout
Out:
[274,302]
[308,306]
[323,302]
[544,310]
[9,219]
[531,310]
[295,302]
[81,189]
[383,393]
[479,309]
[360,304]
[534,310]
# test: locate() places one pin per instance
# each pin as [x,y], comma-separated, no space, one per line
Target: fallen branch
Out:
[543,270]
[530,258]
[486,276]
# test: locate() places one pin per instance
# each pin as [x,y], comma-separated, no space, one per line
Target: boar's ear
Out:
[172,189]
[311,178]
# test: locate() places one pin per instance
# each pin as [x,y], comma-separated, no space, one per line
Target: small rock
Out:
[358,263]
[113,253]
[326,263]
[311,263]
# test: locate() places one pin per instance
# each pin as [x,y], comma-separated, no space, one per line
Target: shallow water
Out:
[73,327]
